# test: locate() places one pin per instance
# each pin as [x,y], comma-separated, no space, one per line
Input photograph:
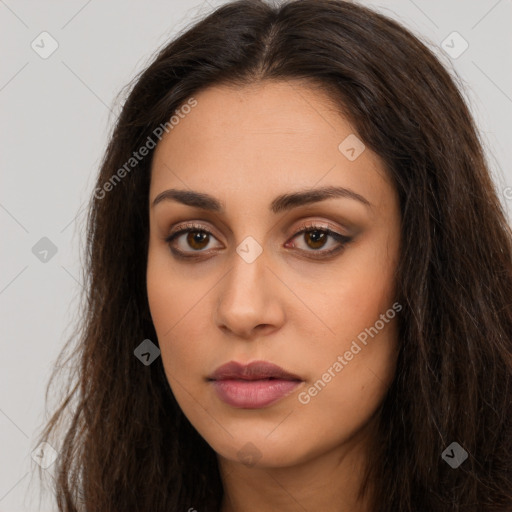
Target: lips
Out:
[257,370]
[252,386]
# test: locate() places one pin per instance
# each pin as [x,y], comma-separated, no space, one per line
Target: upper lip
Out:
[253,371]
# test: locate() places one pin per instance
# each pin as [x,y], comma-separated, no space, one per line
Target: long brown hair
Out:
[123,442]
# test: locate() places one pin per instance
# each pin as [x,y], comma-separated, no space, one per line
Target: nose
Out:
[249,302]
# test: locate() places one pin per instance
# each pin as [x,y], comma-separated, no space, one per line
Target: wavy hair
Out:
[123,442]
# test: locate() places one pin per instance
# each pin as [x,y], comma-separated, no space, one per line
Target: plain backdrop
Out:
[56,114]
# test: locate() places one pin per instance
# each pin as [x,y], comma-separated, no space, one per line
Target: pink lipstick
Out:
[252,386]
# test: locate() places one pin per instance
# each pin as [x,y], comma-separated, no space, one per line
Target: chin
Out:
[260,451]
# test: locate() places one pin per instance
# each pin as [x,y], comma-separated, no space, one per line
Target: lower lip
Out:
[253,394]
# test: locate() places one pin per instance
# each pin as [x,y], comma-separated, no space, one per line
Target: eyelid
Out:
[189,226]
[308,225]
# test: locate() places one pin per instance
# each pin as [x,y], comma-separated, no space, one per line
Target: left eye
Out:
[316,237]
[198,238]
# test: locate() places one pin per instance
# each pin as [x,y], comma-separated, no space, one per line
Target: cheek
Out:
[170,294]
[177,305]
[161,299]
[352,304]
[355,295]
[167,307]
[343,394]
[370,281]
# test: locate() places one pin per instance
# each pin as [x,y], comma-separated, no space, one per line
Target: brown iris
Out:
[195,238]
[317,238]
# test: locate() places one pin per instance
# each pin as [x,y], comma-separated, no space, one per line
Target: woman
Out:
[299,281]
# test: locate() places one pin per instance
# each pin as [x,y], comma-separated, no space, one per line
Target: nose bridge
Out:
[244,284]
[245,299]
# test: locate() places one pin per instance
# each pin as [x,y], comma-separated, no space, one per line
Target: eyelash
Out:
[305,228]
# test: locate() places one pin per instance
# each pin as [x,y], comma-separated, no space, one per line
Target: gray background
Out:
[56,115]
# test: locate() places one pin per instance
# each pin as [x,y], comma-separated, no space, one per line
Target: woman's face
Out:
[243,285]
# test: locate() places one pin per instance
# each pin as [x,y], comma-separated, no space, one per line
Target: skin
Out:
[245,146]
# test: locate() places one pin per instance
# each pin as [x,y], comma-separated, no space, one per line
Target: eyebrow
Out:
[281,203]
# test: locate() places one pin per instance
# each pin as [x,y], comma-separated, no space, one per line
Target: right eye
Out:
[197,237]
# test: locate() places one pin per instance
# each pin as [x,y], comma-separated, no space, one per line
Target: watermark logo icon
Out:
[146,352]
[45,455]
[454,45]
[249,455]
[44,45]
[351,147]
[249,249]
[44,250]
[454,455]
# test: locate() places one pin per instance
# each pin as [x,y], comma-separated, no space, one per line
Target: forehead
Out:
[258,115]
[261,139]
